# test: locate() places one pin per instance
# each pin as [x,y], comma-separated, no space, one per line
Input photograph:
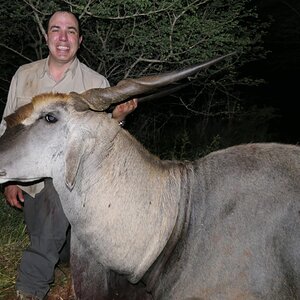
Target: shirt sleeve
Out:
[11,103]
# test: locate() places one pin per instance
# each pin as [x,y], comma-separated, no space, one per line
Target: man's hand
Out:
[122,110]
[13,195]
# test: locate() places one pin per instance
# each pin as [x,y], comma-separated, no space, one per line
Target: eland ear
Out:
[74,154]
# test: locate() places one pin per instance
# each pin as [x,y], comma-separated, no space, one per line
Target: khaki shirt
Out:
[33,79]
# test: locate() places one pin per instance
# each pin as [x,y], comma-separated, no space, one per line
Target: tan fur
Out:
[37,102]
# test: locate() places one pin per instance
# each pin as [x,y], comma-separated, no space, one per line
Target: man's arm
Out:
[13,195]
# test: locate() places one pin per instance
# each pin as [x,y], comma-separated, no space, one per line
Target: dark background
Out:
[281,69]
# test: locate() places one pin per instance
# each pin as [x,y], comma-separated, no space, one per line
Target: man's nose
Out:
[63,36]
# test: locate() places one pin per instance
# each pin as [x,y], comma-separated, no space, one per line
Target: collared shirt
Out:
[34,78]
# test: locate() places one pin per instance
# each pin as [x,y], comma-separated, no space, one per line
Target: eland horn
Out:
[100,99]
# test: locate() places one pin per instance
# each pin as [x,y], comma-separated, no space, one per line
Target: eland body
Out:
[226,226]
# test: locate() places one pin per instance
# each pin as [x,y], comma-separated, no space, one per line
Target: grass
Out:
[13,240]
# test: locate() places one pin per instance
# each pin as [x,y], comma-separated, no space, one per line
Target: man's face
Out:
[63,38]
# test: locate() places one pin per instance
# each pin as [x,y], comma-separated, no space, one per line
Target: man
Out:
[47,225]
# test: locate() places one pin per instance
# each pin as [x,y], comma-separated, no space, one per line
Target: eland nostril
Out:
[2,172]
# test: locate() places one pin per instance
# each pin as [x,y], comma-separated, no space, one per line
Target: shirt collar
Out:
[72,67]
[44,68]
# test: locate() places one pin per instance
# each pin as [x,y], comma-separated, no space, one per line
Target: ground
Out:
[60,290]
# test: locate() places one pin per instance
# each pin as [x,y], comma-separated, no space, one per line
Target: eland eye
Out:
[50,118]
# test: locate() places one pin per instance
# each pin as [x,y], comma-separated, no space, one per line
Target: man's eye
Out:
[50,118]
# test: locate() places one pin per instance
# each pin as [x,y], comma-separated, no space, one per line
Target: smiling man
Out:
[47,225]
[63,39]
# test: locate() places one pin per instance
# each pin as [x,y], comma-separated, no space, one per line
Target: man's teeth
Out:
[63,48]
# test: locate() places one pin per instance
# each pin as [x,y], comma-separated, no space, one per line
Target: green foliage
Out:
[128,37]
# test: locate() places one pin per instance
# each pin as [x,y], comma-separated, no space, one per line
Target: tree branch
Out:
[37,18]
[16,52]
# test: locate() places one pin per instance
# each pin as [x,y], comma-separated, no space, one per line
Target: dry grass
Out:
[13,240]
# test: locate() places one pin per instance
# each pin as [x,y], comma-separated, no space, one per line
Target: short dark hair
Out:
[46,26]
